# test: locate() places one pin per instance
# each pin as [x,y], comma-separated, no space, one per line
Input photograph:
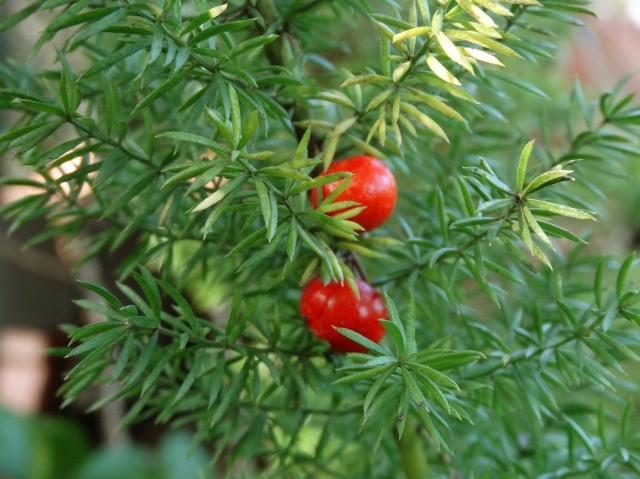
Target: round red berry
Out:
[372,185]
[334,304]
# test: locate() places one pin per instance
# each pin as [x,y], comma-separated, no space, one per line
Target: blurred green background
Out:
[50,447]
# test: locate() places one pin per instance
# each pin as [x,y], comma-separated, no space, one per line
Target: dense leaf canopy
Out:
[190,134]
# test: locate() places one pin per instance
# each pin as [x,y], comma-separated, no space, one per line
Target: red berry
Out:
[372,185]
[337,305]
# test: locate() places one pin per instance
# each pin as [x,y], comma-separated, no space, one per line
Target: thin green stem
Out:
[105,139]
[242,349]
[525,355]
[412,453]
[304,411]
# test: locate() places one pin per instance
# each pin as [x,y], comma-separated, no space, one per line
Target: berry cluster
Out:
[335,305]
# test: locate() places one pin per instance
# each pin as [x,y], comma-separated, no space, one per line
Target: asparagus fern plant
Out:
[196,130]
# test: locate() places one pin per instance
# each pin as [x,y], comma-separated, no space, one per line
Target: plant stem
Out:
[414,461]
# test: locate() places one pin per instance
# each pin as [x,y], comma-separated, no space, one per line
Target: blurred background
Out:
[39,440]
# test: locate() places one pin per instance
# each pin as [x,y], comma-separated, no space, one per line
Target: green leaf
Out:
[217,212]
[220,193]
[528,87]
[148,284]
[440,70]
[130,192]
[445,360]
[164,356]
[547,178]
[19,16]
[434,375]
[535,227]
[597,284]
[584,438]
[410,33]
[93,330]
[522,164]
[249,129]
[477,13]
[424,119]
[101,291]
[21,132]
[216,29]
[107,337]
[377,385]
[493,205]
[231,393]
[560,209]
[251,44]
[191,171]
[116,57]
[623,274]
[617,345]
[292,239]
[336,97]
[400,71]
[144,322]
[197,139]
[131,311]
[237,319]
[328,207]
[236,117]
[321,181]
[40,106]
[482,40]
[367,374]
[216,380]
[99,308]
[398,335]
[71,16]
[433,391]
[358,247]
[360,79]
[450,88]
[105,19]
[474,221]
[196,22]
[414,391]
[302,148]
[143,361]
[410,326]
[172,82]
[334,225]
[288,173]
[273,223]
[496,183]
[558,232]
[265,203]
[123,358]
[366,342]
[379,99]
[454,53]
[183,305]
[437,104]
[568,8]
[194,371]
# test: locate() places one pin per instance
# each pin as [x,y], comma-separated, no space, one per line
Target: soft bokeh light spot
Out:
[23,369]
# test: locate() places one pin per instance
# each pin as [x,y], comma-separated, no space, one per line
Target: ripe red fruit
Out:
[372,185]
[337,305]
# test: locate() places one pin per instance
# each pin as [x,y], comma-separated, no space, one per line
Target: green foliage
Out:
[196,131]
